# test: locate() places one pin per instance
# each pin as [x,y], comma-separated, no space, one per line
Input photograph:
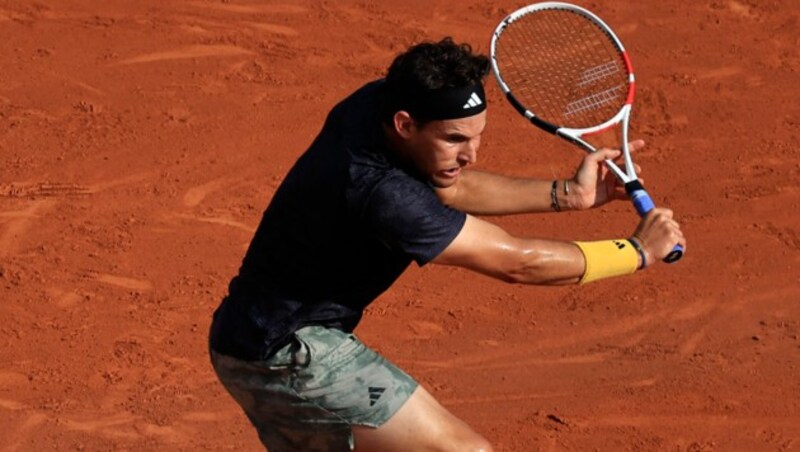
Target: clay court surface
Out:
[140,142]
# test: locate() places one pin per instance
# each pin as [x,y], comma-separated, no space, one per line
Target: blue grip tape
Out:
[644,204]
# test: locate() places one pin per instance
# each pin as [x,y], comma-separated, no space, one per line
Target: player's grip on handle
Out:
[643,204]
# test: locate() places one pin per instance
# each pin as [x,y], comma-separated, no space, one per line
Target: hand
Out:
[593,184]
[658,233]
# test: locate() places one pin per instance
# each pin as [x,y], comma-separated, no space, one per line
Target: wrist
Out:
[567,194]
[607,258]
[643,255]
[560,195]
[555,198]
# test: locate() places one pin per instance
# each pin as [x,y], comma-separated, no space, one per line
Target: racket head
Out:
[563,68]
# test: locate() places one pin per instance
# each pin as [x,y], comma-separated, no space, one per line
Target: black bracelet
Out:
[638,247]
[554,197]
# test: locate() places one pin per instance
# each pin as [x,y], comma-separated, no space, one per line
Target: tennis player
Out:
[387,182]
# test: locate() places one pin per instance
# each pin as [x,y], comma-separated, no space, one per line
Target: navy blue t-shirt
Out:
[342,227]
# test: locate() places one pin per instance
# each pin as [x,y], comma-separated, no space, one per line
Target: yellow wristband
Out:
[608,258]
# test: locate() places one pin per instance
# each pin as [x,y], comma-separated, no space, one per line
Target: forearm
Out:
[547,262]
[481,193]
[486,248]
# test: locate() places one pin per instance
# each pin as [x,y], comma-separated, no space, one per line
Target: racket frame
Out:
[574,135]
[640,198]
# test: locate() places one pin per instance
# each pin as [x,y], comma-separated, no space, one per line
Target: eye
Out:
[455,138]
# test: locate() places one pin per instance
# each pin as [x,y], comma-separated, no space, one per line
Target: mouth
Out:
[452,172]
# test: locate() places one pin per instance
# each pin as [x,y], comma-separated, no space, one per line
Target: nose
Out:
[469,153]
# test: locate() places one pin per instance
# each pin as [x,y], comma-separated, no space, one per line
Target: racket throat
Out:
[639,197]
[632,186]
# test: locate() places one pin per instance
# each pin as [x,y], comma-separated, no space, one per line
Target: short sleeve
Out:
[406,215]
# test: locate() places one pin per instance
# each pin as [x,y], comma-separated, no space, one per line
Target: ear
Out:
[404,124]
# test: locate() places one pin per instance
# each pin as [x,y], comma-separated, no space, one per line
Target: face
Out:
[441,149]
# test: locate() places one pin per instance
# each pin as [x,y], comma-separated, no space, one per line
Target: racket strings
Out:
[563,67]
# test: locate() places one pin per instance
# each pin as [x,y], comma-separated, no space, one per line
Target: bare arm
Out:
[486,248]
[481,193]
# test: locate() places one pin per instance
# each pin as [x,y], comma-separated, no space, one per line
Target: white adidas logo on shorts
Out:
[473,101]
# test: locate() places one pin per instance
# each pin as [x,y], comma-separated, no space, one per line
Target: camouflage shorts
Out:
[310,392]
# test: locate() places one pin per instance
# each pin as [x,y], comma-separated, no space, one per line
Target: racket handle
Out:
[644,204]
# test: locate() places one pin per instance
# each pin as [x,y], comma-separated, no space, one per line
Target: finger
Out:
[604,154]
[659,215]
[637,169]
[674,229]
[635,145]
[678,236]
[664,212]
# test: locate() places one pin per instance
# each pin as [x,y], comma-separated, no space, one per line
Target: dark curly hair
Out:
[429,66]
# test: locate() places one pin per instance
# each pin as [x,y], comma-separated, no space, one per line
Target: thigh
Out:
[421,424]
[349,379]
[311,394]
[284,420]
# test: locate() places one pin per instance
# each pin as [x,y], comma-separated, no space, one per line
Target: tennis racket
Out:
[563,68]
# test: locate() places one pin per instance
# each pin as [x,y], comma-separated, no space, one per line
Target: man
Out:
[387,182]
